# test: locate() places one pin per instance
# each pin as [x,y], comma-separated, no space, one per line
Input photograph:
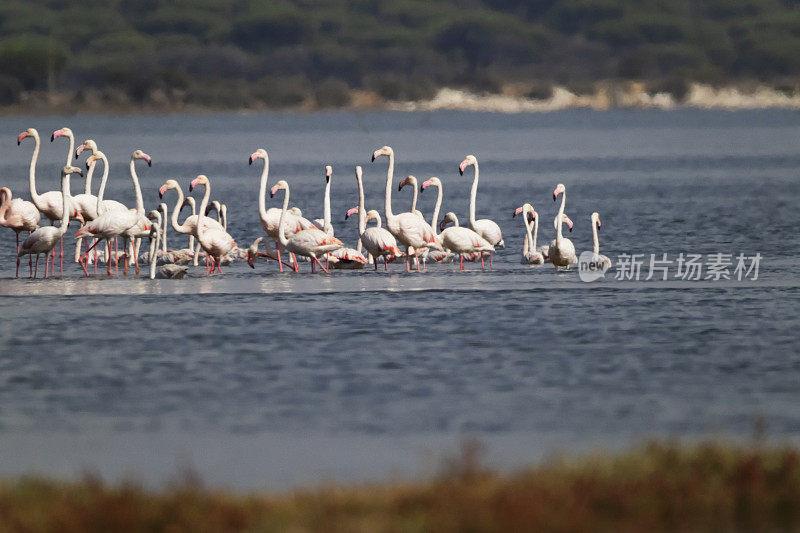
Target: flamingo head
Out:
[88,144]
[428,182]
[296,211]
[372,215]
[350,212]
[213,206]
[566,220]
[386,150]
[189,202]
[258,154]
[63,132]
[469,160]
[559,189]
[138,154]
[328,173]
[69,169]
[30,132]
[281,185]
[596,219]
[170,184]
[252,252]
[532,215]
[92,159]
[409,180]
[201,179]
[448,218]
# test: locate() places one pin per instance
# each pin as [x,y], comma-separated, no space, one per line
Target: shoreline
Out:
[607,96]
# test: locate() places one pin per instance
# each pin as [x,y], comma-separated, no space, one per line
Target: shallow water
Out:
[262,379]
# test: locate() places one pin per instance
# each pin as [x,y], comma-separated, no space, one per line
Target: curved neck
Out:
[137,189]
[438,205]
[102,190]
[262,192]
[32,170]
[281,232]
[535,233]
[414,199]
[65,204]
[224,216]
[596,247]
[378,222]
[71,149]
[362,213]
[472,195]
[5,204]
[163,225]
[559,217]
[530,243]
[180,228]
[387,203]
[87,187]
[201,213]
[326,209]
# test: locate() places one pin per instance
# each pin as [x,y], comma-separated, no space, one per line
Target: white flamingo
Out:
[311,243]
[484,227]
[462,240]
[412,180]
[440,256]
[598,258]
[214,239]
[376,240]
[271,217]
[189,226]
[44,240]
[18,215]
[408,228]
[562,251]
[133,235]
[49,203]
[530,255]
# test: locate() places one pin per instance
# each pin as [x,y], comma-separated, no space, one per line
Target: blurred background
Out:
[59,55]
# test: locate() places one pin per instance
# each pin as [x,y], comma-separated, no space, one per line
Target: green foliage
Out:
[400,49]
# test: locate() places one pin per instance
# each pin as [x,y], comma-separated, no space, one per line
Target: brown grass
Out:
[666,487]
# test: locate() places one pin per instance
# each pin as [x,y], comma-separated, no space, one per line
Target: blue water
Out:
[262,379]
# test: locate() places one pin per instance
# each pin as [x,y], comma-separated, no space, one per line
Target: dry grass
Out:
[656,487]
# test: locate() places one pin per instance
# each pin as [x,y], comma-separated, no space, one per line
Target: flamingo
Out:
[484,227]
[438,256]
[462,240]
[530,255]
[601,260]
[19,215]
[50,203]
[311,242]
[141,229]
[412,180]
[44,240]
[562,251]
[189,226]
[110,223]
[408,228]
[270,218]
[215,241]
[324,223]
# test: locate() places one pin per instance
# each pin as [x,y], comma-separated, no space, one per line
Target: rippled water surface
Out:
[263,379]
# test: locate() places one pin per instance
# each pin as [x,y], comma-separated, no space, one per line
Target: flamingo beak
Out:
[273,190]
[351,211]
[250,162]
[78,151]
[21,136]
[149,161]
[162,190]
[517,212]
[462,167]
[598,225]
[442,225]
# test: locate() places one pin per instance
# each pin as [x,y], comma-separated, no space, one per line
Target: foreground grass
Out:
[656,487]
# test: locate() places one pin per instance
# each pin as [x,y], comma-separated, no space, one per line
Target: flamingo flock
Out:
[404,236]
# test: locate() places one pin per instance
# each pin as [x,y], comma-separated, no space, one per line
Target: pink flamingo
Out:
[215,240]
[19,215]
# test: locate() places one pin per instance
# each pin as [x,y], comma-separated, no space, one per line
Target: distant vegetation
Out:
[709,487]
[285,53]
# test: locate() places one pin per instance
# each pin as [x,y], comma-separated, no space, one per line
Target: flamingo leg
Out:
[385,264]
[375,262]
[17,274]
[36,273]
[461,259]
[280,261]
[219,268]
[47,264]
[61,245]
[263,254]
[95,256]
[30,259]
[482,265]
[116,256]
[491,259]
[320,264]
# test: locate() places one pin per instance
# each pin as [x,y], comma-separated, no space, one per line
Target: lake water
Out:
[263,379]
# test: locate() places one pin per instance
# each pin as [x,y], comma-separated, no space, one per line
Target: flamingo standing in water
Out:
[215,240]
[49,203]
[442,256]
[562,251]
[484,227]
[342,258]
[377,240]
[408,228]
[311,242]
[462,240]
[530,255]
[44,240]
[19,215]
[602,260]
[189,226]
[270,218]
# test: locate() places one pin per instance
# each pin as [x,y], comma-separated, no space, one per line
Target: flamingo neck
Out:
[194,213]
[87,186]
[281,231]
[530,242]
[32,170]
[414,197]
[180,228]
[378,221]
[596,241]
[223,214]
[326,209]
[137,189]
[362,213]
[387,203]
[101,192]
[164,228]
[262,192]
[5,204]
[560,215]
[436,208]
[455,221]
[535,232]
[201,212]
[65,204]
[472,198]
